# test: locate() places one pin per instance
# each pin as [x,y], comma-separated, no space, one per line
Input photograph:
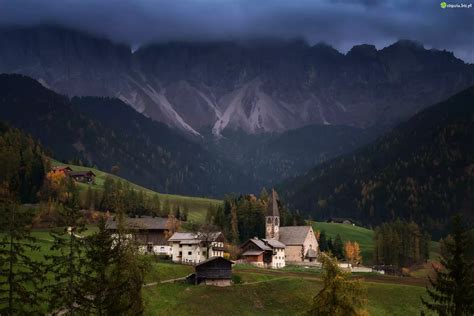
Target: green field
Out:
[262,293]
[364,236]
[197,205]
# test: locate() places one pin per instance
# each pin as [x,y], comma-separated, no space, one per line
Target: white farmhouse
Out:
[193,248]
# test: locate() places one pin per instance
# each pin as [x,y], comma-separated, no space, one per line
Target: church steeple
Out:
[272,218]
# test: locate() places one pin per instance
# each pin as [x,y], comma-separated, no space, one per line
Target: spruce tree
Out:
[66,262]
[323,243]
[340,295]
[21,277]
[338,247]
[452,291]
[101,256]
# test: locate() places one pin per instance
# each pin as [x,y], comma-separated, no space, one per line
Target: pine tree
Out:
[185,212]
[20,277]
[67,261]
[323,243]
[234,224]
[340,295]
[338,247]
[452,291]
[100,256]
[127,273]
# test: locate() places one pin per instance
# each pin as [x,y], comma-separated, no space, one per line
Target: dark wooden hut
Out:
[214,271]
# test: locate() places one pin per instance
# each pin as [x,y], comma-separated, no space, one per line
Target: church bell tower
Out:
[272,219]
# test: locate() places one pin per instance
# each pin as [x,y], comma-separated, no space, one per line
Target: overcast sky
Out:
[341,23]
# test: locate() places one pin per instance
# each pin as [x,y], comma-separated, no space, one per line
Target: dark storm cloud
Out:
[341,23]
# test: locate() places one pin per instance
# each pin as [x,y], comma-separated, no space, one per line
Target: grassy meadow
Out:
[263,293]
[197,205]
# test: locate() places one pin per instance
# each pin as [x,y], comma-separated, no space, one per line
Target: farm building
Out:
[346,221]
[65,169]
[214,271]
[194,248]
[82,176]
[149,232]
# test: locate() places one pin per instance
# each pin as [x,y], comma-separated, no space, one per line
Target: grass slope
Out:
[263,294]
[197,205]
[364,236]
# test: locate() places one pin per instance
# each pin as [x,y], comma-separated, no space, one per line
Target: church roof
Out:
[272,208]
[274,243]
[294,235]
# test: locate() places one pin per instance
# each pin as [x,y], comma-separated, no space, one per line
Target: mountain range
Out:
[206,88]
[422,170]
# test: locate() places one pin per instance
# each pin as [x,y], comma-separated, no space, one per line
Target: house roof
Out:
[272,208]
[274,243]
[61,168]
[265,244]
[339,219]
[189,238]
[81,173]
[213,259]
[144,222]
[294,235]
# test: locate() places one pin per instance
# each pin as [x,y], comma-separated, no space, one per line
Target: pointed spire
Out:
[272,208]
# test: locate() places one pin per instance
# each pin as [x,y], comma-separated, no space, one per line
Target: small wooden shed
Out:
[214,271]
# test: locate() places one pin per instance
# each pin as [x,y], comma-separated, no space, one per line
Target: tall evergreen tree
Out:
[66,262]
[338,247]
[20,277]
[323,243]
[101,256]
[452,291]
[340,295]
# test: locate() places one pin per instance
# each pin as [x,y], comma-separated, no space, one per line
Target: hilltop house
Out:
[149,232]
[300,241]
[64,169]
[194,248]
[82,176]
[265,253]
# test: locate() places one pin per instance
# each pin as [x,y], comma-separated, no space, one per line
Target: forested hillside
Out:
[271,158]
[423,170]
[105,133]
[22,164]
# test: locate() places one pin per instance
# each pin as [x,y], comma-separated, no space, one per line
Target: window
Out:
[204,252]
[180,253]
[189,253]
[180,246]
[276,220]
[149,247]
[269,220]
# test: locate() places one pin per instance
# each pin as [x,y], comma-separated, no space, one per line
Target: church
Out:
[282,244]
[300,242]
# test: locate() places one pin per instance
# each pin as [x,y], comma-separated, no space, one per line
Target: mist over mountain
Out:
[253,86]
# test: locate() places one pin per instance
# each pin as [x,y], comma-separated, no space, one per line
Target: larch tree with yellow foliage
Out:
[340,295]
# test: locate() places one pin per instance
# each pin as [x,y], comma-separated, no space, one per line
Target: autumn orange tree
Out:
[352,252]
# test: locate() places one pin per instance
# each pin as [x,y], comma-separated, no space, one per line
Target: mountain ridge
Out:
[254,86]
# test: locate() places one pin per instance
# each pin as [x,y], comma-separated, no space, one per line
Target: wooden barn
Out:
[83,176]
[214,271]
[149,232]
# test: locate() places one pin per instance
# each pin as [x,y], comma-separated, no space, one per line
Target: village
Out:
[281,246]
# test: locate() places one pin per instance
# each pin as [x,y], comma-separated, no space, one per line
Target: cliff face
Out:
[265,86]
